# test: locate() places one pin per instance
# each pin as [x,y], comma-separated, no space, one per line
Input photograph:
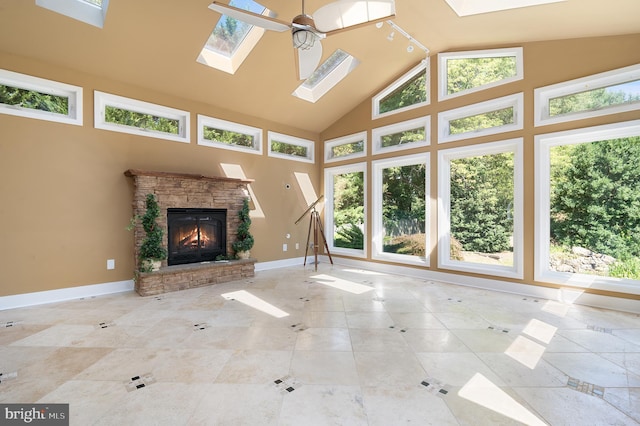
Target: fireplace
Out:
[196,235]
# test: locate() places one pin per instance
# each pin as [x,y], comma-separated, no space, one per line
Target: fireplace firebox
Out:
[196,235]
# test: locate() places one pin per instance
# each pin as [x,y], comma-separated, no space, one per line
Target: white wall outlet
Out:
[111,264]
[297,246]
[284,247]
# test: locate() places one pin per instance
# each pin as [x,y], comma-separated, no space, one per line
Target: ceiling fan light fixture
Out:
[303,39]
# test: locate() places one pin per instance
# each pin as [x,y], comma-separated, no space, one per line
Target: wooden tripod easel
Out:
[316,224]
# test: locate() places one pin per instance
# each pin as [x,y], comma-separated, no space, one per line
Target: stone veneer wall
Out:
[179,190]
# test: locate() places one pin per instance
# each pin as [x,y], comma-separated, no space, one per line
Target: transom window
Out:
[460,73]
[350,146]
[120,114]
[331,72]
[408,92]
[290,147]
[232,40]
[610,92]
[92,12]
[399,136]
[34,97]
[486,118]
[228,135]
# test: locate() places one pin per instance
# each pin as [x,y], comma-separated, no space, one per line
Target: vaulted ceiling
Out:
[154,44]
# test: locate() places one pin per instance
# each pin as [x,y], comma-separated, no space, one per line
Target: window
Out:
[587,203]
[405,135]
[326,76]
[228,135]
[351,146]
[345,209]
[290,147]
[481,119]
[232,40]
[92,12]
[610,92]
[474,7]
[34,97]
[400,194]
[460,73]
[120,114]
[408,92]
[480,208]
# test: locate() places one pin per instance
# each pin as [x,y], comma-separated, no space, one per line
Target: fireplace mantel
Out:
[184,190]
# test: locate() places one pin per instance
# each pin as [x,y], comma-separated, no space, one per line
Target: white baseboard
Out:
[275,264]
[570,295]
[62,294]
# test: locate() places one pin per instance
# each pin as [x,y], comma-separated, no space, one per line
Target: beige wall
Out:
[545,63]
[65,202]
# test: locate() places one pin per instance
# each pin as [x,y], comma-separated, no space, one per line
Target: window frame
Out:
[220,124]
[543,143]
[102,100]
[516,101]
[444,207]
[424,65]
[329,173]
[74,94]
[345,140]
[79,10]
[543,95]
[379,132]
[378,253]
[291,140]
[443,76]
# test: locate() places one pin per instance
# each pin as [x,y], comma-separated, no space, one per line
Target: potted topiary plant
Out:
[151,252]
[244,239]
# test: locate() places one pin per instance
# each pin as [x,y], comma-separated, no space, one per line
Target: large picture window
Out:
[400,194]
[587,204]
[345,209]
[480,211]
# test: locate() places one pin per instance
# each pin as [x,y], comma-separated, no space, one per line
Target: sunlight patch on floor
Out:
[255,302]
[341,284]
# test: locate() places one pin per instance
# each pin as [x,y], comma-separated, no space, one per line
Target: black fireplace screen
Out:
[196,235]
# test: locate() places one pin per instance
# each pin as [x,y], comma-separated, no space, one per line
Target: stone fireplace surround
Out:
[181,190]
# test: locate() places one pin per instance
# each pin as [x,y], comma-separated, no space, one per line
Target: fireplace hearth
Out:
[196,235]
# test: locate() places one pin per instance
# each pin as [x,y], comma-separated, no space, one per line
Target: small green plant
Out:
[626,268]
[151,248]
[244,240]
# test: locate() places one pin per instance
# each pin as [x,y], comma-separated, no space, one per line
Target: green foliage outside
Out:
[244,239]
[33,100]
[228,137]
[347,149]
[410,93]
[482,202]
[485,120]
[141,120]
[592,100]
[348,210]
[152,248]
[465,74]
[404,137]
[289,149]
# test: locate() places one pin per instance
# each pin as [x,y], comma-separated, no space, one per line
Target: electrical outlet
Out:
[284,247]
[111,264]
[297,246]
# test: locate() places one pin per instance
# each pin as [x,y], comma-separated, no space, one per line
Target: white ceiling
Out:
[154,44]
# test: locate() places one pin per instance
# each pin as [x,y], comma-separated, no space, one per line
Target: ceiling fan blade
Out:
[263,21]
[307,60]
[349,14]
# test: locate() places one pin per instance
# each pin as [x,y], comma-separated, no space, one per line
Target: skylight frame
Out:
[79,10]
[476,7]
[74,95]
[327,82]
[231,64]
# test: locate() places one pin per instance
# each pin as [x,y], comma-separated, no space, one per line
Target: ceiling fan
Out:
[307,30]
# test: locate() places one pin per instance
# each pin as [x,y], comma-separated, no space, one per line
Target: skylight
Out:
[326,76]
[92,12]
[232,40]
[476,7]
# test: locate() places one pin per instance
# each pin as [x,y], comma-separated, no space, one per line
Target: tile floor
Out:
[336,346]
